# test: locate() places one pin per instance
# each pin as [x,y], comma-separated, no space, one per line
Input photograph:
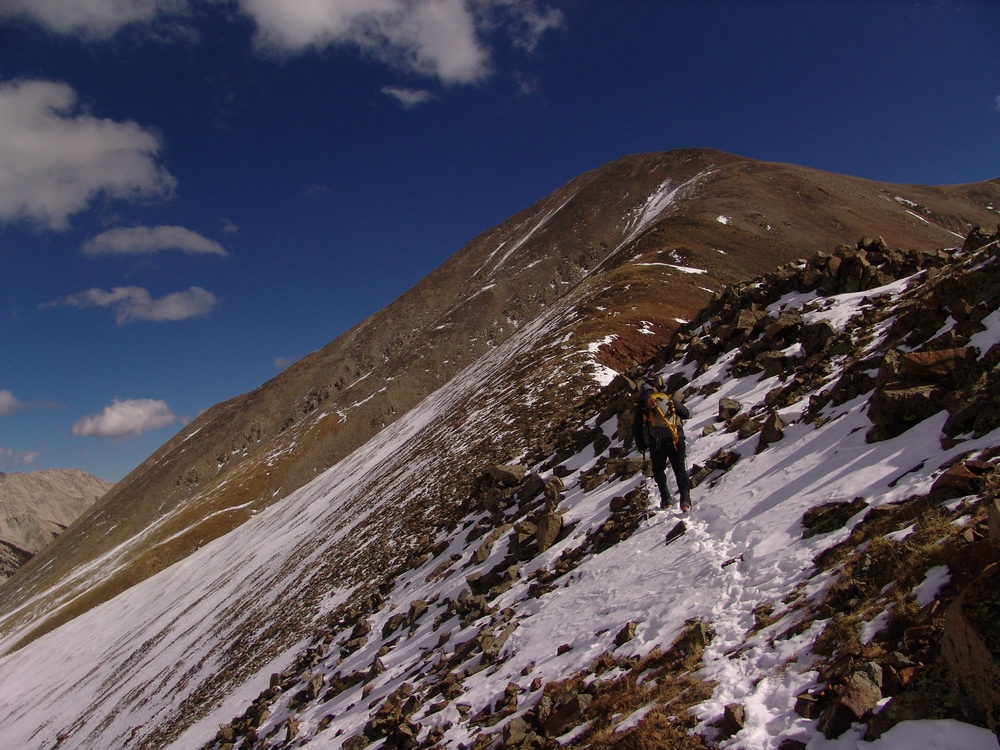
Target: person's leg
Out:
[678,461]
[658,458]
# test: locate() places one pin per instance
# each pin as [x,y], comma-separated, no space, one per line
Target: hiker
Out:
[657,428]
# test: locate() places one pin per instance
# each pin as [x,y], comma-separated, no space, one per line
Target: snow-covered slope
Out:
[484,636]
[625,252]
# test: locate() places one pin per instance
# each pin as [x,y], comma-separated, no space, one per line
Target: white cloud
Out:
[135,303]
[10,458]
[229,227]
[92,19]
[441,39]
[149,240]
[408,97]
[128,418]
[54,161]
[281,363]
[8,403]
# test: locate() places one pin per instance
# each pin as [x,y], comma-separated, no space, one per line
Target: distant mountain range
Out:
[301,512]
[35,508]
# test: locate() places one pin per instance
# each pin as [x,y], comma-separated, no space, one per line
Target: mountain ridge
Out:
[312,583]
[37,507]
[658,216]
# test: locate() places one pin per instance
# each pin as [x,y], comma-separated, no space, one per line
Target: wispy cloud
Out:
[93,19]
[135,303]
[997,102]
[316,189]
[150,240]
[532,23]
[281,363]
[54,161]
[8,403]
[442,39]
[12,459]
[408,97]
[128,418]
[229,227]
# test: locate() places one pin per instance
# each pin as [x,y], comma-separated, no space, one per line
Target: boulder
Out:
[733,720]
[828,517]
[957,481]
[485,549]
[549,525]
[970,646]
[772,432]
[857,699]
[506,476]
[894,410]
[728,408]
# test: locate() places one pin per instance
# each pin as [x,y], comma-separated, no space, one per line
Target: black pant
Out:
[661,451]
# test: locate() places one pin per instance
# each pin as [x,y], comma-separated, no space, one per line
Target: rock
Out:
[506,476]
[830,516]
[957,481]
[568,714]
[531,488]
[936,367]
[733,719]
[485,549]
[772,432]
[994,524]
[979,237]
[549,525]
[896,410]
[516,731]
[417,609]
[626,634]
[856,701]
[553,492]
[969,646]
[815,335]
[728,408]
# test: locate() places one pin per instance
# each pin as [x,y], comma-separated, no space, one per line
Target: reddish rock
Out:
[957,481]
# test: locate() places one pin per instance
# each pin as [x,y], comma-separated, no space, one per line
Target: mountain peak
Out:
[357,483]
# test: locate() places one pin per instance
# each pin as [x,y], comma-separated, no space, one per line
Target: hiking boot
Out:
[685,507]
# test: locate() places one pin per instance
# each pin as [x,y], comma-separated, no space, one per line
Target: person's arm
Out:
[681,409]
[637,432]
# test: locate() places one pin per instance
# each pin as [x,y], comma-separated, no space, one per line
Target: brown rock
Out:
[855,703]
[994,522]
[485,549]
[626,634]
[728,408]
[567,715]
[957,481]
[549,526]
[970,648]
[772,432]
[733,719]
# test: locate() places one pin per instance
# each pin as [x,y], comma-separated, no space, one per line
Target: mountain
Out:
[625,251]
[36,508]
[445,417]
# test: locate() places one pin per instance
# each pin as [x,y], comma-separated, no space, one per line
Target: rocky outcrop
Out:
[971,647]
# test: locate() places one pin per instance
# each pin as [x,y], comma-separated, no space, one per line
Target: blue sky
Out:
[194,193]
